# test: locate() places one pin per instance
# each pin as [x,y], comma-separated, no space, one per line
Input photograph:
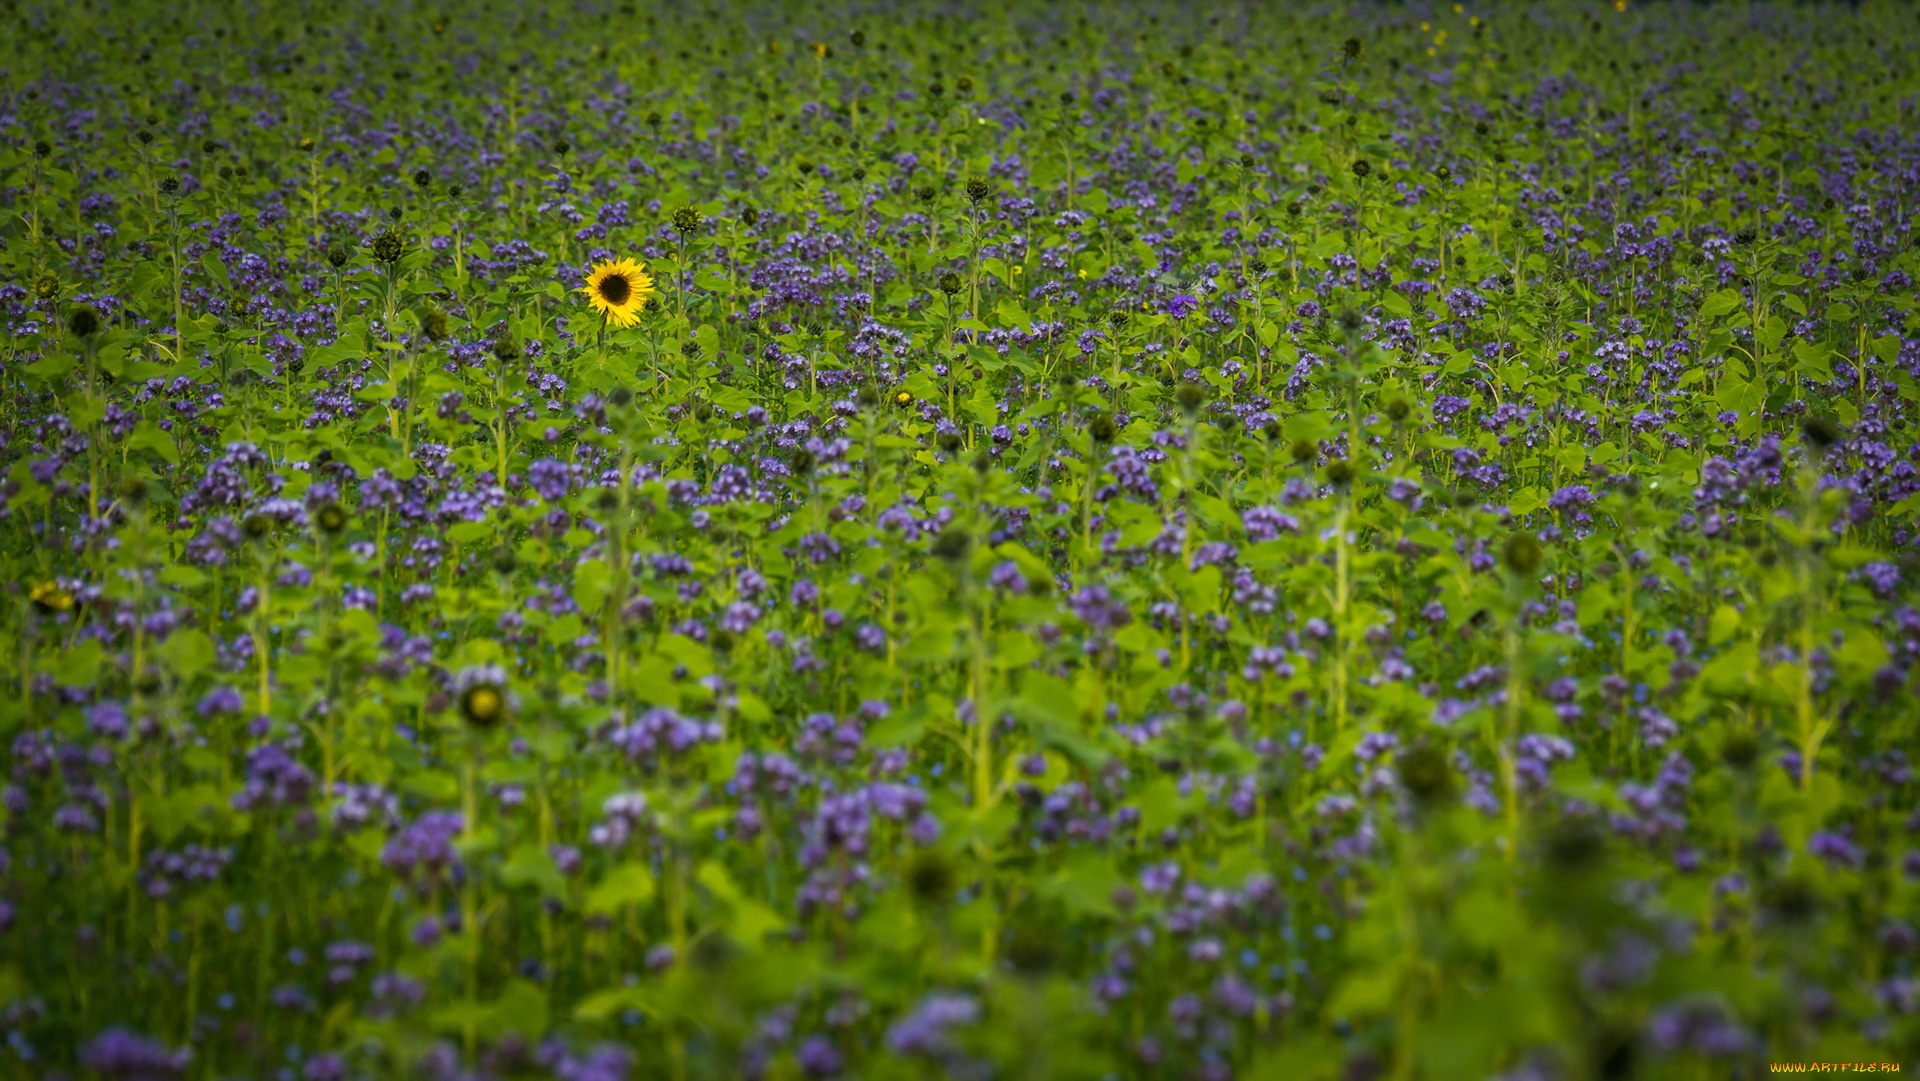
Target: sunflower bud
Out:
[952,544]
[1398,410]
[1426,775]
[83,322]
[931,878]
[433,323]
[331,518]
[1793,900]
[977,189]
[1102,429]
[1740,749]
[337,256]
[686,219]
[506,349]
[1031,952]
[1820,433]
[1574,845]
[422,178]
[949,283]
[1522,554]
[47,287]
[388,248]
[1305,450]
[1339,472]
[1190,397]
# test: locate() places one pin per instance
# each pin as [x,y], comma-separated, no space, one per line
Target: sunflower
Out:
[50,597]
[618,290]
[483,705]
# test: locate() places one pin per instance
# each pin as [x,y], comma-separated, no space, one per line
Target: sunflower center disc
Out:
[615,289]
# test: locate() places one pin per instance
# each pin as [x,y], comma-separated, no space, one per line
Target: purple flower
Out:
[220,701]
[423,851]
[818,1057]
[1836,849]
[123,1056]
[924,1031]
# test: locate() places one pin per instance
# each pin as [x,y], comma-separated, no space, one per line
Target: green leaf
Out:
[747,920]
[217,270]
[51,369]
[532,865]
[1720,303]
[1740,396]
[1085,883]
[473,533]
[182,575]
[1049,705]
[627,884]
[521,1008]
[1161,805]
[1013,314]
[1365,993]
[592,585]
[1309,1057]
[1726,620]
[148,436]
[605,1004]
[188,652]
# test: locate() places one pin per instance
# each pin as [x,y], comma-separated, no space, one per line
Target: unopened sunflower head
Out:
[618,290]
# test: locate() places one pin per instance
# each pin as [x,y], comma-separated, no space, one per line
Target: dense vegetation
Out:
[1168,541]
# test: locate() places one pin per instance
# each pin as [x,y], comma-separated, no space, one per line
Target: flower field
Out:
[906,540]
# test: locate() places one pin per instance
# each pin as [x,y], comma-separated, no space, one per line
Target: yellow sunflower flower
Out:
[618,290]
[50,597]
